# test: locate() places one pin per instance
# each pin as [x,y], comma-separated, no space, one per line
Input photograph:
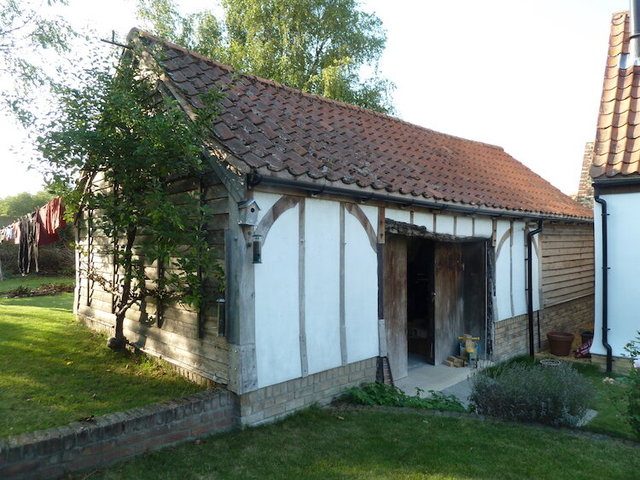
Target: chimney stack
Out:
[634,38]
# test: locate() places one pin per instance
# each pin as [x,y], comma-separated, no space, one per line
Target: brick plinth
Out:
[276,401]
[49,454]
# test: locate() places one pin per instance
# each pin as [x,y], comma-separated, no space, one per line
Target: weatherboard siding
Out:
[191,341]
[567,262]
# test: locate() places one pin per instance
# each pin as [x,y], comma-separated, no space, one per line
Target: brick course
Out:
[511,336]
[49,454]
[277,401]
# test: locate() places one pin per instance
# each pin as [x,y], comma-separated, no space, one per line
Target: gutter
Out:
[530,236]
[254,179]
[605,277]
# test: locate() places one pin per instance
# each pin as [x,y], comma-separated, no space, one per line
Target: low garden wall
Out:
[49,454]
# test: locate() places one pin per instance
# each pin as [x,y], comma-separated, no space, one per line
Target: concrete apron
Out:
[452,381]
[440,378]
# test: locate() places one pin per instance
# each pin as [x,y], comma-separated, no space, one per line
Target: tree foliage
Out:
[28,31]
[317,46]
[23,203]
[129,144]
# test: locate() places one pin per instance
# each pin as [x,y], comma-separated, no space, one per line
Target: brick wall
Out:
[49,454]
[277,401]
[511,336]
[573,317]
[619,365]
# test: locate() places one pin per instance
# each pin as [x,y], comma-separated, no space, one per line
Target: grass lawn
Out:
[55,371]
[31,281]
[321,444]
[609,420]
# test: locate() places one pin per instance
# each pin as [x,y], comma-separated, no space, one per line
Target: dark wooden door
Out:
[448,300]
[395,303]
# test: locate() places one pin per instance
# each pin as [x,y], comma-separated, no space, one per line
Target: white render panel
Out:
[277,306]
[464,226]
[519,277]
[483,227]
[423,220]
[536,272]
[322,284]
[503,272]
[398,215]
[624,265]
[265,201]
[445,224]
[372,215]
[361,293]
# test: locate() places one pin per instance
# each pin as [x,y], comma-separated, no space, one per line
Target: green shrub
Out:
[631,391]
[532,393]
[56,259]
[377,393]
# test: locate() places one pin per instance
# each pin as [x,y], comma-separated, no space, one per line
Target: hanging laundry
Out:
[27,243]
[49,219]
[16,232]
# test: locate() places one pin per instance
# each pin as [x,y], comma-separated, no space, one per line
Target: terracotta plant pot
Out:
[560,343]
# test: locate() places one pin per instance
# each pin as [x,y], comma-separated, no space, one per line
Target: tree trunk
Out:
[119,341]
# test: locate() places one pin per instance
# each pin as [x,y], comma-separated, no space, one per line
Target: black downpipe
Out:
[605,278]
[530,236]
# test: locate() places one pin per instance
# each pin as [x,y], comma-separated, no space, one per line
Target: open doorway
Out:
[420,302]
[435,291]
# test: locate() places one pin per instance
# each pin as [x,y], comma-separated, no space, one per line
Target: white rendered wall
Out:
[398,215]
[624,271]
[536,272]
[445,224]
[322,284]
[482,227]
[292,341]
[277,308]
[361,288]
[519,278]
[503,271]
[511,271]
[464,227]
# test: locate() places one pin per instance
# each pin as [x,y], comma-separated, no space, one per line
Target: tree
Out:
[317,46]
[28,30]
[23,203]
[129,144]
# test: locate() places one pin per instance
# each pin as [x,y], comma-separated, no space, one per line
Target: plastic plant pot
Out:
[560,343]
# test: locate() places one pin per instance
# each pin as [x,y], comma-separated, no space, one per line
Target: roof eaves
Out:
[367,194]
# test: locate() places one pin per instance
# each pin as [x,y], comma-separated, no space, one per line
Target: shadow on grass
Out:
[56,371]
[364,444]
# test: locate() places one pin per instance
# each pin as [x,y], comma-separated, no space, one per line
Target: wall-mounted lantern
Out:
[257,248]
[248,213]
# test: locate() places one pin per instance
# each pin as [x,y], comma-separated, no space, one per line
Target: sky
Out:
[524,75]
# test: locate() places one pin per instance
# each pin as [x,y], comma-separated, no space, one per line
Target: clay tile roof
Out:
[617,146]
[280,132]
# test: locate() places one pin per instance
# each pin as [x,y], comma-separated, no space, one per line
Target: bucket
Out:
[586,335]
[560,343]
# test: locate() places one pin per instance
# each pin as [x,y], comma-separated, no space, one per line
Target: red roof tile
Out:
[281,132]
[617,146]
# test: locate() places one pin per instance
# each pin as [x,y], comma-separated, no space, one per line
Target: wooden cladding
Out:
[567,263]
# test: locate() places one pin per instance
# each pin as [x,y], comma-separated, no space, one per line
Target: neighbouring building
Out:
[616,180]
[349,237]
